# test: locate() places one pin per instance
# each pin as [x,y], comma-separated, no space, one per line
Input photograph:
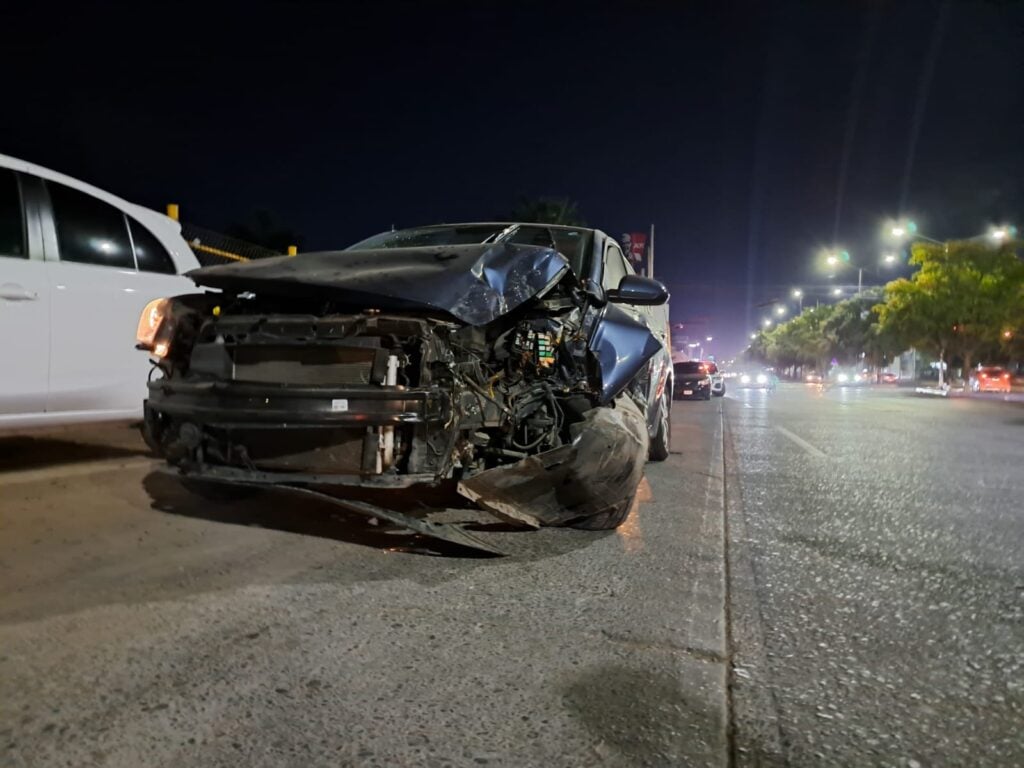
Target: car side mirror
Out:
[643,291]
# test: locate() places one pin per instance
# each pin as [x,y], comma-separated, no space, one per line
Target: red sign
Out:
[635,246]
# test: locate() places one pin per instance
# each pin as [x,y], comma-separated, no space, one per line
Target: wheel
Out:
[606,521]
[662,440]
[221,493]
[720,393]
[707,396]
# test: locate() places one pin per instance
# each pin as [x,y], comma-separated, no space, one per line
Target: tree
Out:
[958,302]
[854,333]
[797,342]
[547,210]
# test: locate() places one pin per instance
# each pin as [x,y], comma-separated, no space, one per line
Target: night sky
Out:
[750,134]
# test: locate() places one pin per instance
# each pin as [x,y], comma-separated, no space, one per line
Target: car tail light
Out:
[983,375]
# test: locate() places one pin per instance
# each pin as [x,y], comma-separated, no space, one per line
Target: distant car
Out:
[692,381]
[717,379]
[813,378]
[990,379]
[888,377]
[849,378]
[77,266]
[758,380]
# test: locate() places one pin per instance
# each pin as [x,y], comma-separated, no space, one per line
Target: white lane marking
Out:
[803,443]
[62,471]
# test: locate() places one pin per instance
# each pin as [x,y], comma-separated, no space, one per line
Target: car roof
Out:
[167,230]
[146,215]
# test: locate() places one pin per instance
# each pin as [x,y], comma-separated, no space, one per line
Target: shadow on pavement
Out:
[27,452]
[642,716]
[282,511]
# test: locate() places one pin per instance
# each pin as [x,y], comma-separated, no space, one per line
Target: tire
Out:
[662,440]
[219,493]
[708,395]
[719,394]
[606,521]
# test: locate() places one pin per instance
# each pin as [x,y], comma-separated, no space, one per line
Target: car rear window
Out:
[689,367]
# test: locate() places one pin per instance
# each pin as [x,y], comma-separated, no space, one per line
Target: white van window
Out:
[88,230]
[12,222]
[150,255]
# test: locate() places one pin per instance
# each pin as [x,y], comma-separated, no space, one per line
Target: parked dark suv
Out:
[693,380]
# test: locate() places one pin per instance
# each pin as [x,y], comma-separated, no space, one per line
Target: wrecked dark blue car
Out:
[523,366]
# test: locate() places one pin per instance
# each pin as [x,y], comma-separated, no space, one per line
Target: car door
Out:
[96,297]
[24,304]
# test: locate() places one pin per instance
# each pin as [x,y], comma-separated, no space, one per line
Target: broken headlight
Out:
[154,332]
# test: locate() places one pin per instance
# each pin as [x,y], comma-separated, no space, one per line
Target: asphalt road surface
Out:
[811,579]
[877,568]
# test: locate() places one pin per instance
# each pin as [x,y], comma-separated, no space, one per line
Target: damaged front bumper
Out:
[598,471]
[263,434]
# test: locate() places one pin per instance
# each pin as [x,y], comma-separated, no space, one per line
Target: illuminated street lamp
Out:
[999,234]
[753,336]
[837,291]
[841,258]
[767,322]
[709,338]
[890,258]
[780,311]
[907,230]
[799,296]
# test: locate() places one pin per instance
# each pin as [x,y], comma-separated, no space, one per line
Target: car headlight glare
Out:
[745,379]
[842,378]
[762,379]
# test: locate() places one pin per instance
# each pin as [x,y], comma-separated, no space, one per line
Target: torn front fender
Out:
[623,345]
[599,470]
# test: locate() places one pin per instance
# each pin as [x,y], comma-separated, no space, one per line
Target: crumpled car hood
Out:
[473,283]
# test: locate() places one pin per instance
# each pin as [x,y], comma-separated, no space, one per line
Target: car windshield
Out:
[572,243]
[421,237]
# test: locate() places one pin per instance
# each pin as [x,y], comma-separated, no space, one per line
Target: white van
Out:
[77,266]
